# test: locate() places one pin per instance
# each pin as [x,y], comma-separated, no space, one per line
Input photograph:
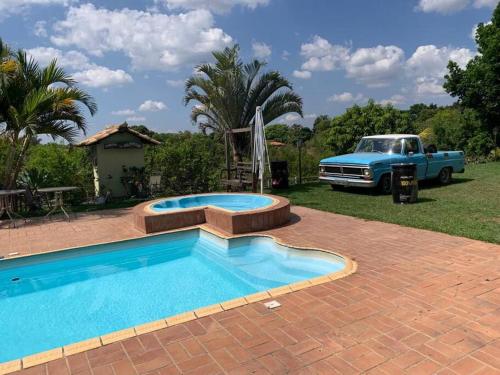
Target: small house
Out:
[117,155]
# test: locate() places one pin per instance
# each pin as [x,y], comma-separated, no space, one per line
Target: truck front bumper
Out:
[357,182]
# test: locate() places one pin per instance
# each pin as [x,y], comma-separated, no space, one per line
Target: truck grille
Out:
[333,170]
[344,170]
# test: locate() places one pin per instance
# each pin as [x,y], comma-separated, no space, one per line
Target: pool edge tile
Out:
[150,327]
[82,346]
[43,357]
[234,303]
[180,318]
[300,285]
[319,280]
[117,336]
[279,291]
[256,297]
[208,310]
[9,367]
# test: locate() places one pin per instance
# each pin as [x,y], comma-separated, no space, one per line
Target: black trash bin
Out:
[279,174]
[404,183]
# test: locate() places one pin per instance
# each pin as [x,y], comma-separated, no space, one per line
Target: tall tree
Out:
[229,91]
[478,85]
[37,101]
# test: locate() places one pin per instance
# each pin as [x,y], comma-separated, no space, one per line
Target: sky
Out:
[133,56]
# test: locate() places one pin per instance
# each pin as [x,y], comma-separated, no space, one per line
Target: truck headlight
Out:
[321,169]
[367,174]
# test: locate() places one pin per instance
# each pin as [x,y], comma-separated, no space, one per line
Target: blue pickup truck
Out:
[370,164]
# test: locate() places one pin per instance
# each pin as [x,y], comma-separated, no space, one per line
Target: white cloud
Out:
[124,112]
[376,66]
[452,6]
[428,65]
[261,50]
[285,55]
[175,82]
[100,76]
[394,100]
[150,40]
[40,29]
[87,73]
[346,97]
[70,59]
[136,119]
[442,6]
[485,3]
[9,7]
[291,117]
[216,6]
[310,116]
[425,86]
[430,60]
[152,106]
[302,74]
[321,55]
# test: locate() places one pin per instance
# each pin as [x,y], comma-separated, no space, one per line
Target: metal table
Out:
[58,198]
[7,204]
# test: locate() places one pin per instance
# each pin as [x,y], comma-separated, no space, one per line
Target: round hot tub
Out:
[229,202]
[229,212]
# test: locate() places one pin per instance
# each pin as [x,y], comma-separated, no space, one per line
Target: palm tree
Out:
[37,101]
[229,91]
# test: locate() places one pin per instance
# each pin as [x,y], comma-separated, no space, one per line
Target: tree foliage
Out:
[229,91]
[478,85]
[61,165]
[347,129]
[36,101]
[188,162]
[456,129]
[288,134]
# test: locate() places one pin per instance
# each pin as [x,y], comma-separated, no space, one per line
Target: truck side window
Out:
[396,147]
[412,145]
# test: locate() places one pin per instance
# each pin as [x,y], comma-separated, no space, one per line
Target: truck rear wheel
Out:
[444,176]
[385,184]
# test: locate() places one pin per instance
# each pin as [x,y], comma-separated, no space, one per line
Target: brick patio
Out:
[420,303]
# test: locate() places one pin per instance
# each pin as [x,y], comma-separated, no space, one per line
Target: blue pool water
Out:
[232,202]
[51,300]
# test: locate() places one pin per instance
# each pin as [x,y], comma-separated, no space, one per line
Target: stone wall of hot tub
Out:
[228,221]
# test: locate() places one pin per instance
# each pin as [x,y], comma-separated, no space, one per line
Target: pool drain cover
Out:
[272,304]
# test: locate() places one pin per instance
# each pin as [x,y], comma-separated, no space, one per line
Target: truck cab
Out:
[370,164]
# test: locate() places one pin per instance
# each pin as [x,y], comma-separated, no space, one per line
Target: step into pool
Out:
[51,300]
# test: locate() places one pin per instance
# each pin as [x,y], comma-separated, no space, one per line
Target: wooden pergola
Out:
[244,168]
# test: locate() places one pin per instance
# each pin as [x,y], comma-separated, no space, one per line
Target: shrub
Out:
[188,162]
[61,165]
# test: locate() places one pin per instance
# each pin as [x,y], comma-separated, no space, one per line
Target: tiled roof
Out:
[113,129]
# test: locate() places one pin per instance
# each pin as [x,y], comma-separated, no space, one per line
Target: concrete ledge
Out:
[232,222]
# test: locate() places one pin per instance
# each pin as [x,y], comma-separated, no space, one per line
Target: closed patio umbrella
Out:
[260,154]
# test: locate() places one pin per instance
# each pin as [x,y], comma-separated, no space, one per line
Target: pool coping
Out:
[109,338]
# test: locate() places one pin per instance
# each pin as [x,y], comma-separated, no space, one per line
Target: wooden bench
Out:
[240,177]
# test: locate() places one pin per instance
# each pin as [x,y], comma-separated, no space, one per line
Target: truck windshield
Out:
[380,145]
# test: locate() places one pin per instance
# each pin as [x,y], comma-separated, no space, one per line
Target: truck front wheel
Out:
[444,176]
[385,184]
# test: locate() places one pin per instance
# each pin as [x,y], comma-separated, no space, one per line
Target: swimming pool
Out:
[231,202]
[51,300]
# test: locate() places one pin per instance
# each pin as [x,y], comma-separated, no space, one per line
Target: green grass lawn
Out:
[469,207]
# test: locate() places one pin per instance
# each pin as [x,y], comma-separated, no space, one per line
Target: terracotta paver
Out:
[420,303]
